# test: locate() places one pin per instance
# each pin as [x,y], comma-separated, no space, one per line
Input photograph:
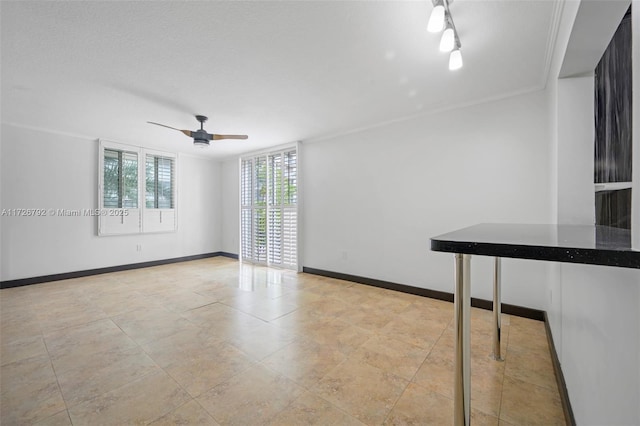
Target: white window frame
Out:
[128,221]
[160,219]
[297,208]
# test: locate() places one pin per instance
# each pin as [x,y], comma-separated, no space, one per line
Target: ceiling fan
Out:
[200,137]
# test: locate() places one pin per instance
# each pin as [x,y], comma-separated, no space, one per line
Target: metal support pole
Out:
[497,310]
[462,362]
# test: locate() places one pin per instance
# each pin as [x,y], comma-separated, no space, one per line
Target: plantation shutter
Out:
[268,217]
[137,190]
[246,209]
[118,186]
[275,209]
[160,192]
[260,210]
[160,182]
[290,210]
[120,179]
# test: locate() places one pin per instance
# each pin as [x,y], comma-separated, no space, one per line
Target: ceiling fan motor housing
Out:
[200,138]
[200,134]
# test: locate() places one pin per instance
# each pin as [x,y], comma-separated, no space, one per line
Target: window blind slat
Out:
[290,238]
[246,221]
[246,182]
[260,235]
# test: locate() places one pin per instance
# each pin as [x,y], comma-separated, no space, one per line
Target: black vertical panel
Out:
[613,85]
[613,208]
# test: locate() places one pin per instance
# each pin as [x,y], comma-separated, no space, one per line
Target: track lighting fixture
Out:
[455,59]
[448,40]
[441,19]
[436,20]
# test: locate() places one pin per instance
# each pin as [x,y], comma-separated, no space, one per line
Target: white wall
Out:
[48,170]
[554,303]
[231,206]
[374,198]
[600,343]
[598,305]
[593,310]
[576,133]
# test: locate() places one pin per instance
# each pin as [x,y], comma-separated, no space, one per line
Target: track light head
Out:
[448,40]
[436,20]
[455,59]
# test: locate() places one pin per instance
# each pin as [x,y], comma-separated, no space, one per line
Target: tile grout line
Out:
[411,381]
[55,374]
[504,373]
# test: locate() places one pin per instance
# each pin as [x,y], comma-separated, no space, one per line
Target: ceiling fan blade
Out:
[218,137]
[186,132]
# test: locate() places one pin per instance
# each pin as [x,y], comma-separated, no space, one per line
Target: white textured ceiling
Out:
[277,71]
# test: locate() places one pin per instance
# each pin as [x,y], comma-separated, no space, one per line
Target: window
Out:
[159,213]
[159,182]
[123,210]
[120,179]
[269,208]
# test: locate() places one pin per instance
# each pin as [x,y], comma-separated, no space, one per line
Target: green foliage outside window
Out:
[159,181]
[120,183]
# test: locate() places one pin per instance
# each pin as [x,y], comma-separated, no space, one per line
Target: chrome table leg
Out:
[497,310]
[462,319]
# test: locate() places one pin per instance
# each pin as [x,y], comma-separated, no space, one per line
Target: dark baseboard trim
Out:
[562,385]
[515,310]
[229,255]
[418,291]
[519,311]
[79,274]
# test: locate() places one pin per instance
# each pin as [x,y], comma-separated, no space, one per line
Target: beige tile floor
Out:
[216,342]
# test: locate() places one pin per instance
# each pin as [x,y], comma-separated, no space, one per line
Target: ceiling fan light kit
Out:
[200,137]
[439,20]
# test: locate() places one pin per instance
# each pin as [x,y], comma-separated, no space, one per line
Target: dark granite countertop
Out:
[596,245]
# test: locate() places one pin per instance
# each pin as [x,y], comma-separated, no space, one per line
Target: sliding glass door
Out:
[269,208]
